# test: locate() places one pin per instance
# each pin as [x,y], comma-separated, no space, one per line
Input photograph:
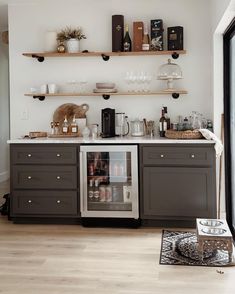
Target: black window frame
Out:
[229,33]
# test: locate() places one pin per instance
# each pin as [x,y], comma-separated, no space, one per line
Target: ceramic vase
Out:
[72,45]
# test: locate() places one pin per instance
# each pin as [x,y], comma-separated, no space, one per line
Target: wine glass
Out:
[128,80]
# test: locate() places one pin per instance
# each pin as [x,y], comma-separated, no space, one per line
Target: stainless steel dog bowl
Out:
[213,231]
[211,223]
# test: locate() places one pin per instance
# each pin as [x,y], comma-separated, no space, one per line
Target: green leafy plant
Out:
[70,33]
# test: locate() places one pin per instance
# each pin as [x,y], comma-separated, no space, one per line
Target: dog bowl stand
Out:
[211,241]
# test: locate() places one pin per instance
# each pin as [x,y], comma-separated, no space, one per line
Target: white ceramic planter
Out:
[72,45]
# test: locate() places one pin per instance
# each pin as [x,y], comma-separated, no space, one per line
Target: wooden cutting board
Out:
[69,110]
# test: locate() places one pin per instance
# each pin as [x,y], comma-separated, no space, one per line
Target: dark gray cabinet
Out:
[177,183]
[44,181]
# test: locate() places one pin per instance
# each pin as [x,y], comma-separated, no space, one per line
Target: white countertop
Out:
[115,140]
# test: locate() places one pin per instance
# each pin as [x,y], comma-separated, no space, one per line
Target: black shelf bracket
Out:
[41,98]
[105,57]
[105,96]
[39,58]
[175,55]
[175,95]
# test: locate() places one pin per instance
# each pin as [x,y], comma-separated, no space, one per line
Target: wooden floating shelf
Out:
[175,94]
[105,55]
[167,92]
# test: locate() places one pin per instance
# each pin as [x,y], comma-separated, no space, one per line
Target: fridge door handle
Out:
[81,182]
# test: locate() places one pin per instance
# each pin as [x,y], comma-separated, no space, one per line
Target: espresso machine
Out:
[108,123]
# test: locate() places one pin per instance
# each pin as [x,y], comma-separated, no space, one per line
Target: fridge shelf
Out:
[110,206]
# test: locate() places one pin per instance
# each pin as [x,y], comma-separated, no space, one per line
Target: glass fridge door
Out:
[109,180]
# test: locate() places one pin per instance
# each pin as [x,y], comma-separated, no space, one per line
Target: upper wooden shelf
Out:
[105,55]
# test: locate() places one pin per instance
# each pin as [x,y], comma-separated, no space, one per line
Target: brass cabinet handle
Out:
[58,201]
[29,155]
[58,177]
[29,177]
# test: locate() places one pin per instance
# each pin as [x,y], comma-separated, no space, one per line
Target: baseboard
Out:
[4,176]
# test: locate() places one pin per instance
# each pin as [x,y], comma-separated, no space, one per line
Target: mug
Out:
[52,88]
[43,89]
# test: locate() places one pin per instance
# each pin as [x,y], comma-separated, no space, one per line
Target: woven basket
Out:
[195,134]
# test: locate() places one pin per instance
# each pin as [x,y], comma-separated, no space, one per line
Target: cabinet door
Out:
[178,193]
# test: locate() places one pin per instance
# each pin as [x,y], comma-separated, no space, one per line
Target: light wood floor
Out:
[56,259]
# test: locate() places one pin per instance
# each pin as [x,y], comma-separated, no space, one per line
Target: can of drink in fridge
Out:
[102,189]
[108,193]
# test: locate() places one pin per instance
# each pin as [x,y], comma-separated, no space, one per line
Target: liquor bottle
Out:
[167,118]
[127,40]
[74,126]
[145,42]
[90,191]
[65,126]
[162,124]
[96,191]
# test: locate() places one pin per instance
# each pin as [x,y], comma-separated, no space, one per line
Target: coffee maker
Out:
[108,122]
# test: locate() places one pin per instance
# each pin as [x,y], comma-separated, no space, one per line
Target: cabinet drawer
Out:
[44,202]
[43,155]
[169,155]
[44,177]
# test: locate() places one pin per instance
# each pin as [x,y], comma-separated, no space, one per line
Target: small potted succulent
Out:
[71,38]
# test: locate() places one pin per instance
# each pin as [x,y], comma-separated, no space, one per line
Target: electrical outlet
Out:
[25,114]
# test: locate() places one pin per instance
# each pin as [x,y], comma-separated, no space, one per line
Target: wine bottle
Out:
[146,41]
[127,40]
[167,118]
[162,124]
[96,191]
[90,191]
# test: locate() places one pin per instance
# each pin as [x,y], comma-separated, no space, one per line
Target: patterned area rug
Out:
[180,248]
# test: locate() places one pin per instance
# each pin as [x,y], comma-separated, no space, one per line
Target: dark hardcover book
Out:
[156,29]
[138,31]
[175,38]
[117,32]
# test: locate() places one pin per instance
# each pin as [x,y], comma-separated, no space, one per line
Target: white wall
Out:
[29,22]
[4,113]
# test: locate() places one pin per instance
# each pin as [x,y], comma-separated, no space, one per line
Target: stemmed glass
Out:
[148,81]
[128,80]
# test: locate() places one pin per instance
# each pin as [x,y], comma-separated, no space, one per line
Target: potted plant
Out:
[71,37]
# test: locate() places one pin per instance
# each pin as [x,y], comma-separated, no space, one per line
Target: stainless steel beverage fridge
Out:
[109,181]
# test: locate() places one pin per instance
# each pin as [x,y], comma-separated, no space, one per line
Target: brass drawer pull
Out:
[29,155]
[192,156]
[162,155]
[29,201]
[58,177]
[58,154]
[29,177]
[58,201]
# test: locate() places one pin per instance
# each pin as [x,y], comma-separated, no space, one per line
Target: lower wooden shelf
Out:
[174,92]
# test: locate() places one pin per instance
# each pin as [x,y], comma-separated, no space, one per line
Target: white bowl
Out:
[105,85]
